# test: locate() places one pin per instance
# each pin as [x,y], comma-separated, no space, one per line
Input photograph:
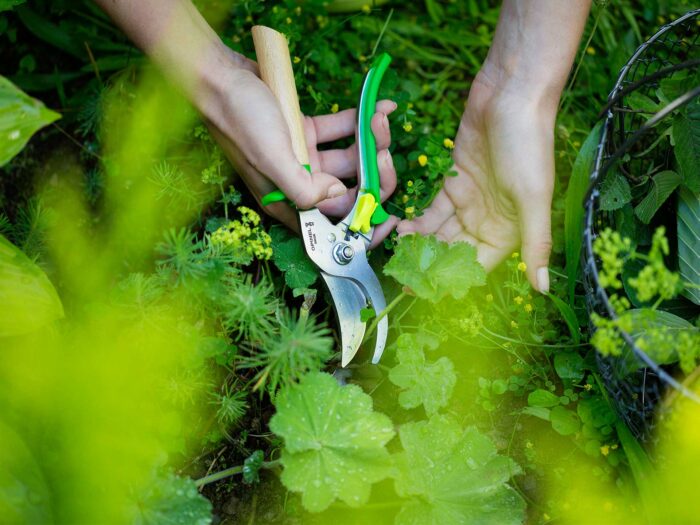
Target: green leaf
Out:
[573,216]
[52,34]
[454,476]
[689,241]
[251,467]
[20,117]
[6,5]
[334,441]
[569,316]
[569,365]
[172,500]
[564,421]
[25,497]
[28,300]
[434,269]
[542,398]
[615,192]
[686,140]
[427,384]
[289,256]
[539,412]
[663,184]
[641,102]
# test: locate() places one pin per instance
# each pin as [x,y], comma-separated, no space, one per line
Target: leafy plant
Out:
[334,441]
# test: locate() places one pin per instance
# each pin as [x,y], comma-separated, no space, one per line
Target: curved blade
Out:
[348,300]
[373,291]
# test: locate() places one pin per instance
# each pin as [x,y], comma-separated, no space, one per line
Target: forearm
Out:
[535,45]
[178,39]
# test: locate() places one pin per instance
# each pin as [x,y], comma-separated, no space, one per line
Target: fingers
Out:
[342,124]
[439,211]
[381,231]
[343,162]
[536,235]
[340,206]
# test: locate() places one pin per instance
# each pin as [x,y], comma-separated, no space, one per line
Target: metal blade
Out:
[373,291]
[348,299]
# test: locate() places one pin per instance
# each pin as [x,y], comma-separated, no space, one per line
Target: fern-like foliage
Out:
[182,255]
[300,346]
[248,309]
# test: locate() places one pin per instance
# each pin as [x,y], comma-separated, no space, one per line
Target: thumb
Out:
[536,237]
[306,189]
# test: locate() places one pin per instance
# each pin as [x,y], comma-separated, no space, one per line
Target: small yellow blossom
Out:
[528,444]
[590,50]
[297,10]
[661,20]
[422,160]
[366,9]
[513,324]
[614,447]
[288,20]
[409,184]
[522,266]
[518,300]
[235,39]
[362,58]
[408,127]
[249,19]
[410,210]
[514,255]
[410,105]
[296,60]
[588,386]
[576,144]
[335,108]
[244,234]
[448,143]
[489,298]
[528,308]
[404,199]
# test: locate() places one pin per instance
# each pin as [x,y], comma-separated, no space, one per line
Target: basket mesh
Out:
[629,144]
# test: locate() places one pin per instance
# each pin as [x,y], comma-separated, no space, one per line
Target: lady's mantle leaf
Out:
[172,500]
[454,476]
[28,300]
[20,117]
[334,441]
[434,269]
[289,256]
[429,384]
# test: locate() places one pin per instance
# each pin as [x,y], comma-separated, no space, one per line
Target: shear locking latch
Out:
[363,213]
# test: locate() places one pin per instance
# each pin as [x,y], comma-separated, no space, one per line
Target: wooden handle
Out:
[275,66]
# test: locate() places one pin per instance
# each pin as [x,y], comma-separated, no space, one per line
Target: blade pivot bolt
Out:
[343,253]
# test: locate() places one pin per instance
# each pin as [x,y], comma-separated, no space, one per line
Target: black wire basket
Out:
[626,135]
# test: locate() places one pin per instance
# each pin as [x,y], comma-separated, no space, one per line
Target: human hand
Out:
[502,194]
[246,121]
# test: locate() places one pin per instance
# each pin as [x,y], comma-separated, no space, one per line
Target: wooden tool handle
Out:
[275,66]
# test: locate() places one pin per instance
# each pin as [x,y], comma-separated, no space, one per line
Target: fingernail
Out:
[543,279]
[336,190]
[395,105]
[387,157]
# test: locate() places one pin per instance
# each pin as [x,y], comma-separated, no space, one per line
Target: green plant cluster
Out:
[487,407]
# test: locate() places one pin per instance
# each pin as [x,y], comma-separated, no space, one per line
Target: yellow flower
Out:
[297,10]
[404,199]
[489,298]
[518,300]
[362,58]
[366,9]
[288,20]
[410,104]
[513,324]
[614,447]
[590,50]
[410,210]
[528,444]
[407,127]
[409,184]
[514,255]
[448,143]
[297,60]
[522,266]
[605,450]
[422,160]
[528,308]
[335,108]
[588,386]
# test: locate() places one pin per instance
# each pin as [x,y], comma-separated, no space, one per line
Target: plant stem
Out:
[386,310]
[222,474]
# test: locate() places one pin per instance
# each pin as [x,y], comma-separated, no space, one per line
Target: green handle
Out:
[366,140]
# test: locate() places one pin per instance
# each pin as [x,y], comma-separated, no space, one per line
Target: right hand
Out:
[245,119]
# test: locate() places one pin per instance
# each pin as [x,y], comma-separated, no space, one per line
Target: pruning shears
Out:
[339,250]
